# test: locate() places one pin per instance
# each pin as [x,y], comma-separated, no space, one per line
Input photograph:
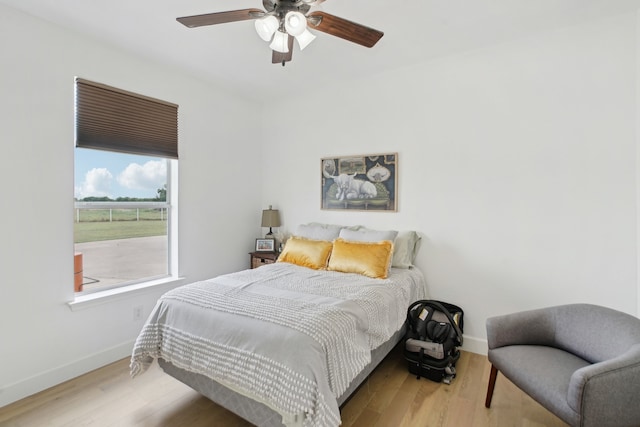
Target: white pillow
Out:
[405,249]
[405,243]
[366,235]
[317,231]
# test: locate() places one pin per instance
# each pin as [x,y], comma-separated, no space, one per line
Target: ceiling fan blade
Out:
[344,29]
[281,58]
[219,17]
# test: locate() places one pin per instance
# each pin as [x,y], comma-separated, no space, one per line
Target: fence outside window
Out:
[120,211]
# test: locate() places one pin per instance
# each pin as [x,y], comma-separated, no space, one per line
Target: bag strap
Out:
[420,358]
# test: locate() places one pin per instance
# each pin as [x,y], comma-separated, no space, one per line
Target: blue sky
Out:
[104,173]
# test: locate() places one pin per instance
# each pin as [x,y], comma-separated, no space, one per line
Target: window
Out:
[126,153]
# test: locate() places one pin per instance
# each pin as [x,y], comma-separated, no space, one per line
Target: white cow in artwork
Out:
[351,188]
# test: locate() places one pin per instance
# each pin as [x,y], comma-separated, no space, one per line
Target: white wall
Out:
[42,342]
[517,166]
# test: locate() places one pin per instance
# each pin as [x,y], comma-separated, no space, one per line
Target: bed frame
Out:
[256,412]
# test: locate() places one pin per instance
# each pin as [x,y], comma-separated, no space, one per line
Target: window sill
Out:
[82,302]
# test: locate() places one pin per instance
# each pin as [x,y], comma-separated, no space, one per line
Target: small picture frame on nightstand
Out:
[265,245]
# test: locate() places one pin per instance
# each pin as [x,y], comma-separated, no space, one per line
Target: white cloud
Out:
[150,176]
[97,183]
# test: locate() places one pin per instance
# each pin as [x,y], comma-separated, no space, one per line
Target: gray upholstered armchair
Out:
[580,361]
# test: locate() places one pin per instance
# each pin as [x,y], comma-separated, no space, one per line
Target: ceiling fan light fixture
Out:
[295,23]
[282,21]
[266,27]
[280,42]
[305,38]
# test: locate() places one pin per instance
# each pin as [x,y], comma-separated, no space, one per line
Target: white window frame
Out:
[83,300]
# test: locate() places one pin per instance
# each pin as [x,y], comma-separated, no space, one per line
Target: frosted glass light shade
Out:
[265,27]
[280,42]
[305,38]
[295,23]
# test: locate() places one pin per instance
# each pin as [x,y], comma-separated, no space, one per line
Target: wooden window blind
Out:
[112,119]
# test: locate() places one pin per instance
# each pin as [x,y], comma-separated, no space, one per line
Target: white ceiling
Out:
[233,55]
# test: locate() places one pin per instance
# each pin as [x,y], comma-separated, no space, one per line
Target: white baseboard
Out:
[44,380]
[474,345]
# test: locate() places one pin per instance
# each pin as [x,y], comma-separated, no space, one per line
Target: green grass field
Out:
[95,226]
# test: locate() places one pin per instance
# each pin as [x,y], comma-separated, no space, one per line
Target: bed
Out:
[285,343]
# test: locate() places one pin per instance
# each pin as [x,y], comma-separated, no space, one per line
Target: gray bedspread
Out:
[287,336]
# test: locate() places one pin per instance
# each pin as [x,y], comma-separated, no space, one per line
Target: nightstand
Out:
[261,258]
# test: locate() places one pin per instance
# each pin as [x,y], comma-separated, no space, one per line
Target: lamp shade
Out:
[305,38]
[280,42]
[270,217]
[266,26]
[295,23]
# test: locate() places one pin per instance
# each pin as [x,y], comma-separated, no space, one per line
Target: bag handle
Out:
[439,306]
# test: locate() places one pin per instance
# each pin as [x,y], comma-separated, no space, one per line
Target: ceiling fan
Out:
[284,20]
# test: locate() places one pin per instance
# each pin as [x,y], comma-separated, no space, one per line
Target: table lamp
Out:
[270,218]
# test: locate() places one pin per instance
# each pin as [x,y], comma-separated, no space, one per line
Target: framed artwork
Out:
[265,245]
[364,183]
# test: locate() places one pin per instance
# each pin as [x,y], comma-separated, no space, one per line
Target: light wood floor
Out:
[390,397]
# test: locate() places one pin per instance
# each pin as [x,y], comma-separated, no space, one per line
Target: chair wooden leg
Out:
[492,383]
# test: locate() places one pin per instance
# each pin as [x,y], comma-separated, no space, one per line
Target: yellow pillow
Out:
[306,252]
[370,259]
